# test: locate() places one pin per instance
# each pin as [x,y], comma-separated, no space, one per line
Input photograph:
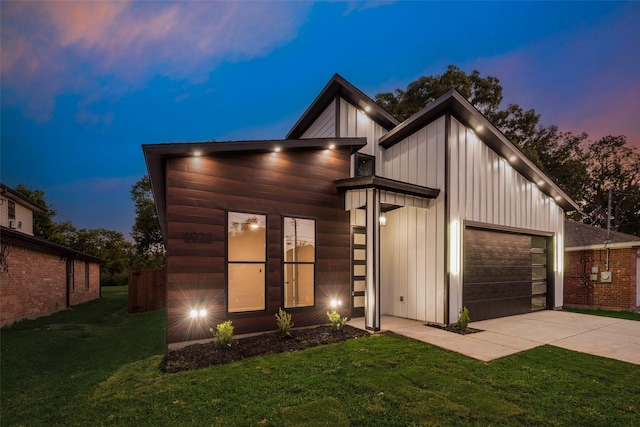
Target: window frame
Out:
[265,262]
[285,263]
[86,275]
[11,209]
[367,157]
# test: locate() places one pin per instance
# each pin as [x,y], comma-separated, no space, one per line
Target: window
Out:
[246,261]
[12,209]
[86,274]
[299,262]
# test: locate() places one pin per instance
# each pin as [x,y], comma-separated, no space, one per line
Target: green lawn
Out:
[97,365]
[628,315]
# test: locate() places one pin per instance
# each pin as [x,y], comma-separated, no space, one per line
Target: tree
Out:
[43,224]
[146,229]
[613,166]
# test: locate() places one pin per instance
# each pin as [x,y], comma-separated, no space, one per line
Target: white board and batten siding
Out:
[485,188]
[412,265]
[324,126]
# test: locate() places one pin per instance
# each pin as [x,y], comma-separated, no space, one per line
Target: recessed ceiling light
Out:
[479,128]
[512,158]
[332,146]
[277,149]
[540,182]
[367,109]
[558,198]
[197,153]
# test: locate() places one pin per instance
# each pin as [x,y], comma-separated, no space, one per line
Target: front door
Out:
[358,269]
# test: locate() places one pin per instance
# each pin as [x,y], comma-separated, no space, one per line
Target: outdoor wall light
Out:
[383,219]
[194,314]
[335,303]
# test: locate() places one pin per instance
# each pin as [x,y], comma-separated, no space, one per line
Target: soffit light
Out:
[332,146]
[367,109]
[277,149]
[479,128]
[197,153]
[512,158]
[540,183]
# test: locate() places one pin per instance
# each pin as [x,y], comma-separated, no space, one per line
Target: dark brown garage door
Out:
[504,273]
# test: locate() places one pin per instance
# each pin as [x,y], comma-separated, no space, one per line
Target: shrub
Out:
[223,334]
[463,319]
[335,320]
[284,323]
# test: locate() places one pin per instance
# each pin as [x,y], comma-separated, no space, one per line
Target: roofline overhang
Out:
[338,86]
[386,184]
[603,246]
[456,105]
[156,155]
[15,196]
[9,235]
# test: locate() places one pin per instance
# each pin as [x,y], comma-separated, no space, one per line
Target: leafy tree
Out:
[613,165]
[43,224]
[146,230]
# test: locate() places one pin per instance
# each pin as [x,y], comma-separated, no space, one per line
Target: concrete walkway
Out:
[601,336]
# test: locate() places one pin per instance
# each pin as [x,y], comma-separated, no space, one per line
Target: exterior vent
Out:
[13,223]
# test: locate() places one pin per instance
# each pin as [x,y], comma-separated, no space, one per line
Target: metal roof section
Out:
[380,183]
[579,236]
[155,155]
[339,87]
[455,104]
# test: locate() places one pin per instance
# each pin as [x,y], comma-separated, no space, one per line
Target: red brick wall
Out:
[34,284]
[619,294]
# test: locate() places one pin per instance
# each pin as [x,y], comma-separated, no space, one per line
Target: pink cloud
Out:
[584,80]
[50,48]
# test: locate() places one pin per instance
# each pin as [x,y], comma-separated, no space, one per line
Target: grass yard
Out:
[97,365]
[628,315]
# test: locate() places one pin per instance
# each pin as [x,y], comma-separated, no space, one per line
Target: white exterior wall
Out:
[324,126]
[412,242]
[484,188]
[23,214]
[355,123]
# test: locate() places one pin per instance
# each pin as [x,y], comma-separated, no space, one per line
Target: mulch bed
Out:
[199,356]
[455,329]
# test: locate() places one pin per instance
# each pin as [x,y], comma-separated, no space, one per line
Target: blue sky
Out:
[84,85]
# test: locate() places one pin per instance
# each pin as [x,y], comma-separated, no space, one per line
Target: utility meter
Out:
[605,276]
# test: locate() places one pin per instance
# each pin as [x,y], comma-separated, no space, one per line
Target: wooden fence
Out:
[146,290]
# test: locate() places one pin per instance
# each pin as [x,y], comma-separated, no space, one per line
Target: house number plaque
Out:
[194,237]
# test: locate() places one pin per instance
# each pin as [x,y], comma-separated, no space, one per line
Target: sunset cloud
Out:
[51,48]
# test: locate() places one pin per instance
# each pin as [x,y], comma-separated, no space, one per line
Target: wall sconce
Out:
[335,303]
[194,314]
[383,219]
[253,223]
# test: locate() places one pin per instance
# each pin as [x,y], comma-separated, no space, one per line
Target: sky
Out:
[84,84]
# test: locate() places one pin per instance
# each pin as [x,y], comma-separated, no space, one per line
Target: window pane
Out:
[246,287]
[299,240]
[246,235]
[298,285]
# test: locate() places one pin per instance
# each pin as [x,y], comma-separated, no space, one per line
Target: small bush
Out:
[463,319]
[335,320]
[223,334]
[284,323]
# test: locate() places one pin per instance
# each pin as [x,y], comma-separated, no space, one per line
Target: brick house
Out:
[38,277]
[600,273]
[412,219]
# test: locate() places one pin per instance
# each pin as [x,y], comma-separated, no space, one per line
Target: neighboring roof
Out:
[580,236]
[15,196]
[373,181]
[457,105]
[9,235]
[338,86]
[155,155]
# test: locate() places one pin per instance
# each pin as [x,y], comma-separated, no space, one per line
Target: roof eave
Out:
[338,86]
[456,105]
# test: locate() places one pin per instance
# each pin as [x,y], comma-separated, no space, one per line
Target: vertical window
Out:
[299,262]
[12,209]
[246,261]
[86,274]
[365,165]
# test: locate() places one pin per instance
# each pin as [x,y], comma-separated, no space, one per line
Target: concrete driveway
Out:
[602,336]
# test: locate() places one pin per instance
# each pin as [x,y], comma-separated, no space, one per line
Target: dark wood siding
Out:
[498,273]
[200,190]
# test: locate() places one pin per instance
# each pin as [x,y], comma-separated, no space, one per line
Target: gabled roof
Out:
[455,104]
[338,86]
[580,236]
[156,154]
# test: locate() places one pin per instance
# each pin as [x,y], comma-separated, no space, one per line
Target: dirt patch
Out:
[199,356]
[455,329]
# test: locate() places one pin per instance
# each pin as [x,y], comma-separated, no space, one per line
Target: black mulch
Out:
[455,329]
[199,356]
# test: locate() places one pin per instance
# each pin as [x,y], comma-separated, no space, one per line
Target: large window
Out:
[299,262]
[246,261]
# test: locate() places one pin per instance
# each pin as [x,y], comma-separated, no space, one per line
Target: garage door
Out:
[504,273]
